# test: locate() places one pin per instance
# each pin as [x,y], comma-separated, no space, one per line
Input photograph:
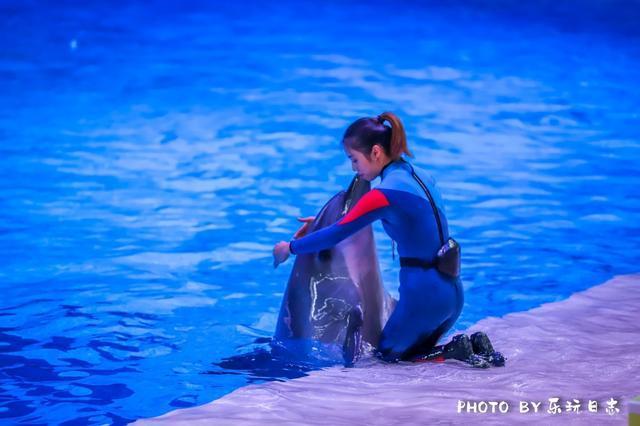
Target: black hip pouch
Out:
[448,258]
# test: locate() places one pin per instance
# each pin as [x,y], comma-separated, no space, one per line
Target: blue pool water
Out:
[150,157]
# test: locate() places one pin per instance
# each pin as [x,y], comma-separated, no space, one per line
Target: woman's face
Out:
[366,168]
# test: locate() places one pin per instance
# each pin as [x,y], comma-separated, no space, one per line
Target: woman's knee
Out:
[388,352]
[393,344]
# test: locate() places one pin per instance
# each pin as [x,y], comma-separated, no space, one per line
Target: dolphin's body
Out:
[336,296]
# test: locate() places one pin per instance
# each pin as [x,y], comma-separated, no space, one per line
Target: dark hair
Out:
[366,132]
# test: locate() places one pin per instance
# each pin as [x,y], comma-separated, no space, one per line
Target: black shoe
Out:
[496,359]
[481,343]
[460,348]
[476,361]
[482,347]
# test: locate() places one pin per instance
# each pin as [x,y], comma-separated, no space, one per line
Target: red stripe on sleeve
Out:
[369,202]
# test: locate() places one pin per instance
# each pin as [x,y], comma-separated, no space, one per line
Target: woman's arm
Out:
[372,206]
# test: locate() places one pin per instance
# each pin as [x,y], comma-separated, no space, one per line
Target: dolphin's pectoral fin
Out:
[352,347]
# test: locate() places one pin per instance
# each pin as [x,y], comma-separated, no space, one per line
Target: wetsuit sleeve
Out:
[372,206]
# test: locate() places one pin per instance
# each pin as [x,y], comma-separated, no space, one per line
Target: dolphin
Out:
[336,296]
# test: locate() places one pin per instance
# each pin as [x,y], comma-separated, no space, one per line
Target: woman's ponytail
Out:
[398,143]
[366,132]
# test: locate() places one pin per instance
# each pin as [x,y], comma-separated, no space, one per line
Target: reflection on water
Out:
[146,171]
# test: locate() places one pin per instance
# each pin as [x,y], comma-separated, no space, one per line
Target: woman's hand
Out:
[281,253]
[303,229]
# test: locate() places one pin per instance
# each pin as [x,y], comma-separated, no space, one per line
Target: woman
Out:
[430,301]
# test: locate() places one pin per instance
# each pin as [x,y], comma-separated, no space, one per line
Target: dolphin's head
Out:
[337,207]
[356,190]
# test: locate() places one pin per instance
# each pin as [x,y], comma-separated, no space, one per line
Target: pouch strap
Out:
[417,262]
[433,204]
